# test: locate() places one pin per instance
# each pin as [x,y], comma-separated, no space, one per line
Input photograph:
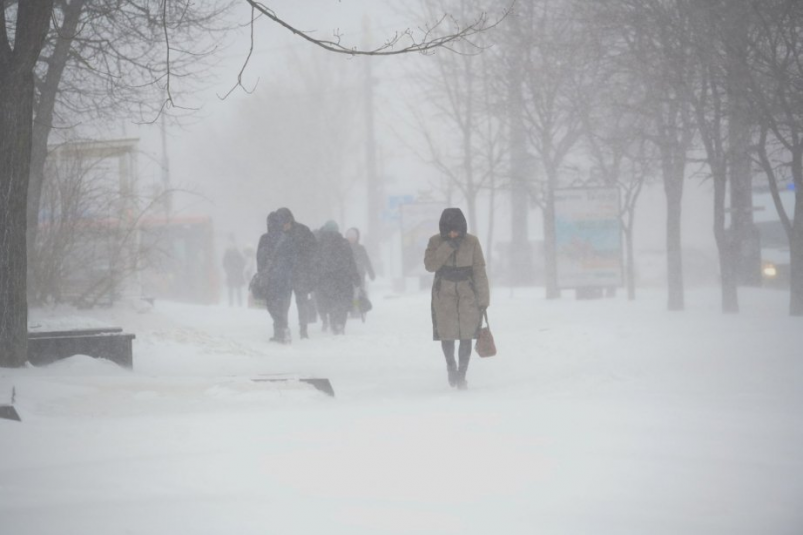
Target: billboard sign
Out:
[588,237]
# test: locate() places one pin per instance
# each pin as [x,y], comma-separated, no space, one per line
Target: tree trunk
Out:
[45,106]
[16,102]
[727,267]
[674,253]
[673,170]
[796,259]
[796,242]
[17,62]
[730,298]
[739,141]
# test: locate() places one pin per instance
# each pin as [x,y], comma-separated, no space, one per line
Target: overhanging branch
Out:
[425,44]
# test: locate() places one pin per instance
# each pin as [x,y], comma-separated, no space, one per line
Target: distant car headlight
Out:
[769,271]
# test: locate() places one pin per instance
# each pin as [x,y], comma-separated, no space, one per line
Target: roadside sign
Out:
[588,237]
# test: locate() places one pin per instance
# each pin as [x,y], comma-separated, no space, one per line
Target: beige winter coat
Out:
[456,304]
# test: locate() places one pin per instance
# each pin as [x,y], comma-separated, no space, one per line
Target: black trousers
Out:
[304,306]
[333,311]
[278,307]
[463,353]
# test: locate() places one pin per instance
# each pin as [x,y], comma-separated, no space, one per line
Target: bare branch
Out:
[428,43]
[245,63]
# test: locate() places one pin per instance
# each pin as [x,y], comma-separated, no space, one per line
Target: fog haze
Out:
[603,339]
[297,139]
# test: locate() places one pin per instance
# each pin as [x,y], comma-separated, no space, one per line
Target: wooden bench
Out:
[111,343]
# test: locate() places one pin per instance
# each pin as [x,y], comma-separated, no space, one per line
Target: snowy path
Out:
[602,417]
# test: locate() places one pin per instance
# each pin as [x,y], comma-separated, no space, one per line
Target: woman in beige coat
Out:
[460,291]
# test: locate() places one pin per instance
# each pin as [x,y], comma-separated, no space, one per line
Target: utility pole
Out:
[521,257]
[742,230]
[373,180]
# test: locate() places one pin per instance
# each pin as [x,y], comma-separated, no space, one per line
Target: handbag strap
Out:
[485,314]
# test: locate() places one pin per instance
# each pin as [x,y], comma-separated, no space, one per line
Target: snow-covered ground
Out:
[597,417]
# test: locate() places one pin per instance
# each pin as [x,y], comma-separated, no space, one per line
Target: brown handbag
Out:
[485,346]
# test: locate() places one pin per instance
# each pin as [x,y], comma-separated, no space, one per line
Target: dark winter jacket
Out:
[460,290]
[361,258]
[336,270]
[300,252]
[274,258]
[267,242]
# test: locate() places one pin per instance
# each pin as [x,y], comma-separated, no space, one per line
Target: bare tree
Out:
[741,126]
[614,134]
[20,45]
[88,246]
[106,58]
[463,132]
[776,91]
[744,59]
[66,203]
[638,170]
[658,53]
[709,90]
[550,38]
[23,30]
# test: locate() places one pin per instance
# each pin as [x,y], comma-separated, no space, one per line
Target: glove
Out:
[454,243]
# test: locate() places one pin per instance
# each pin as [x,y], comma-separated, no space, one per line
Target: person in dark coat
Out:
[364,267]
[234,266]
[460,292]
[273,264]
[301,255]
[337,276]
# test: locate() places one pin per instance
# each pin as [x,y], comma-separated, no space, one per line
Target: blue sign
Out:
[392,213]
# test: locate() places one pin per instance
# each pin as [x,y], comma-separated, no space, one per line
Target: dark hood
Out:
[284,216]
[356,232]
[273,222]
[453,219]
